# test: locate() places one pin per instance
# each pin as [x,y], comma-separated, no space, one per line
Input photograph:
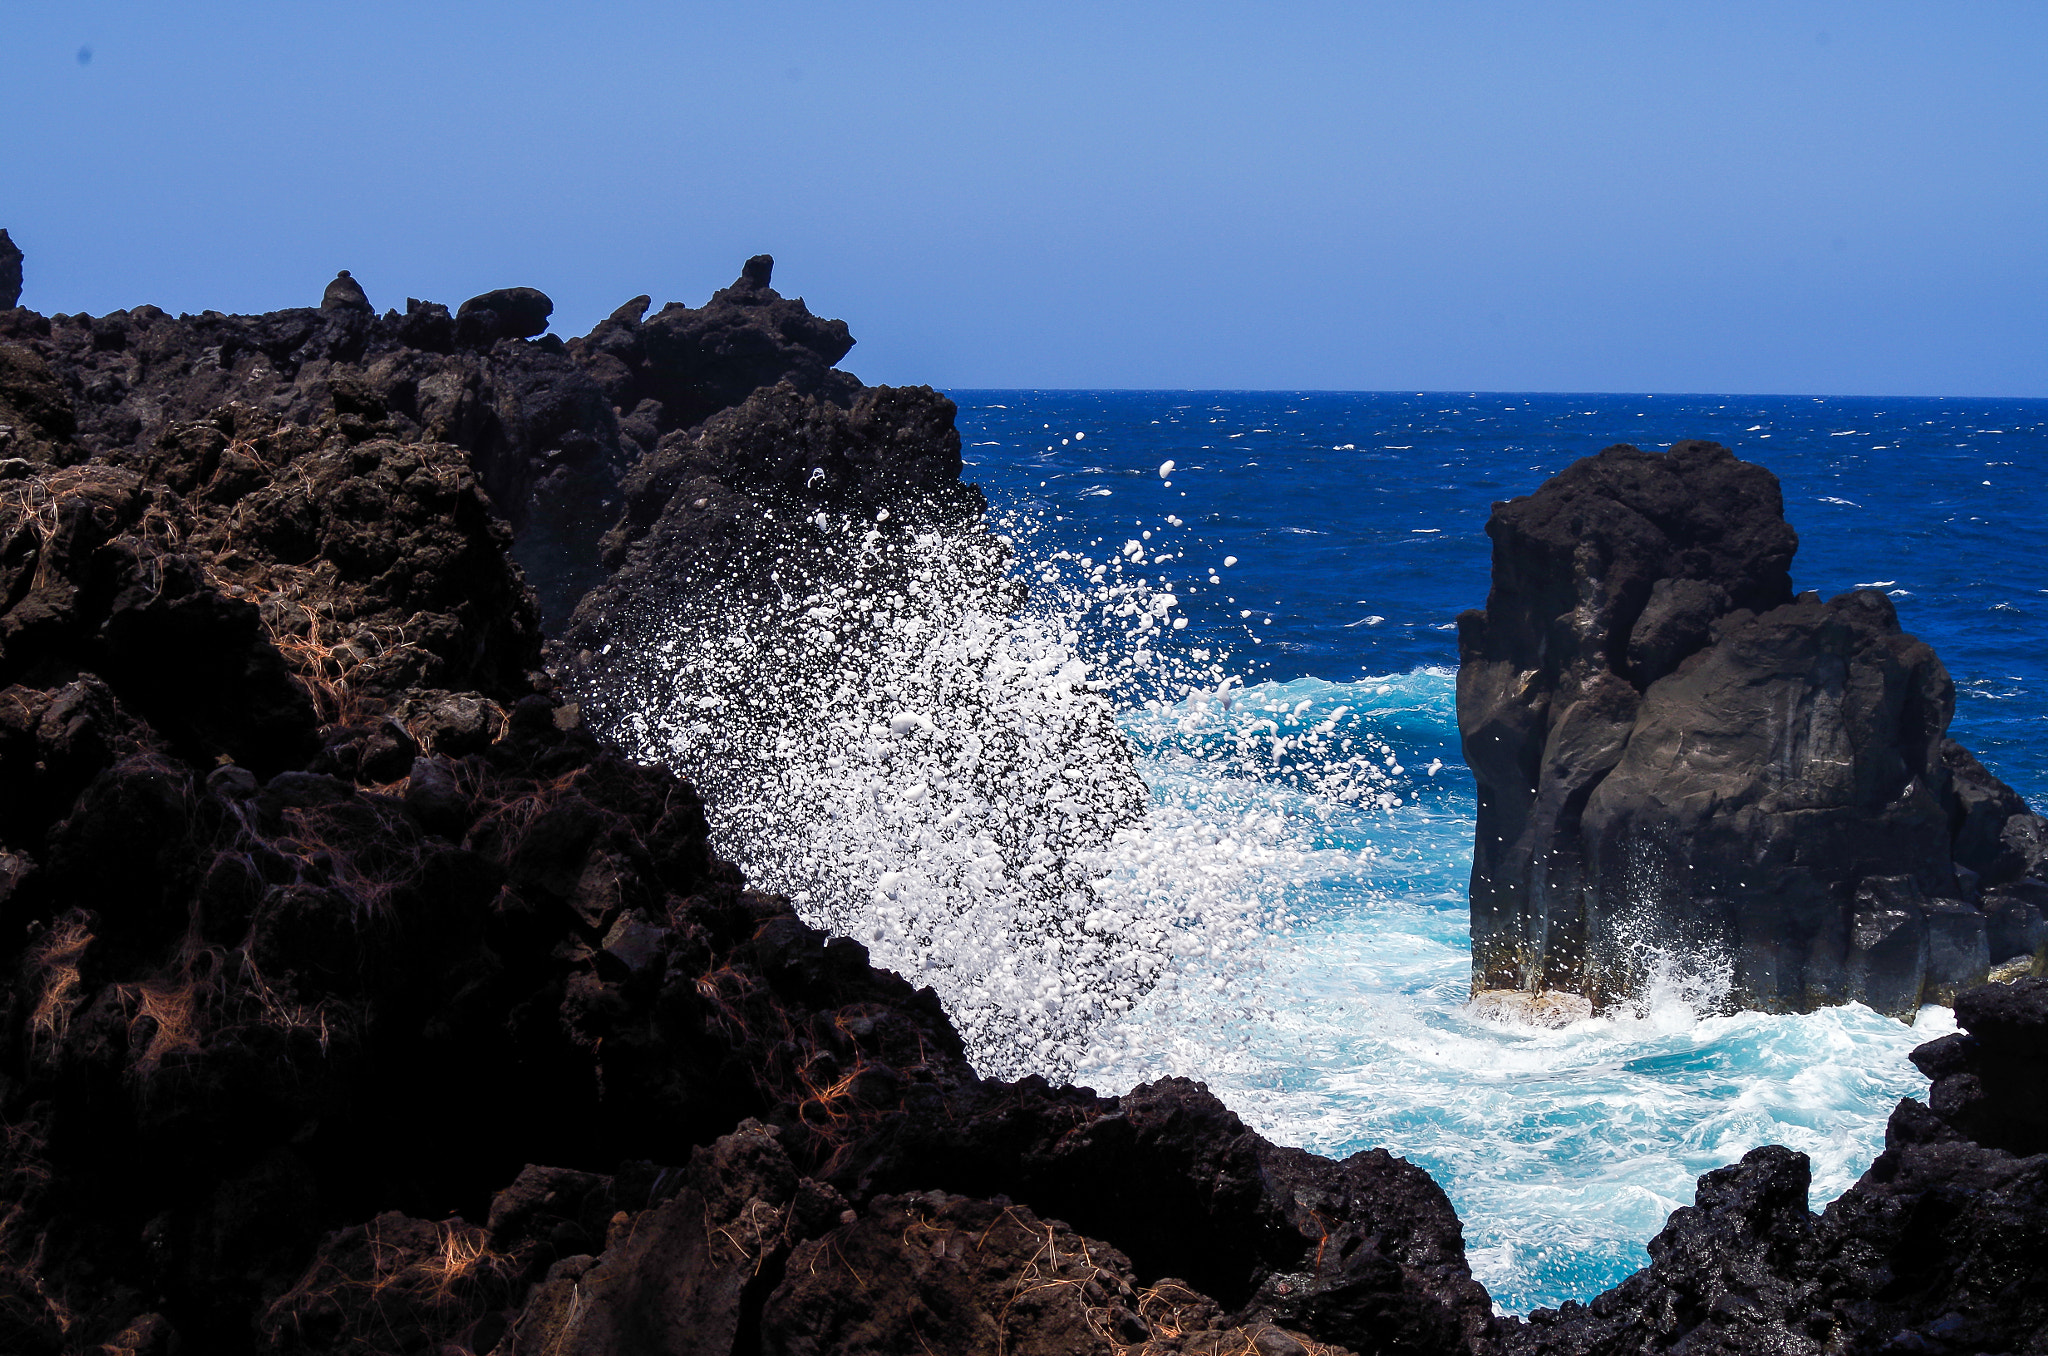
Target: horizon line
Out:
[1459,392]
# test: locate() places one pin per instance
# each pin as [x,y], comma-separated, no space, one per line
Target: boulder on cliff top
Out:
[1673,753]
[345,294]
[504,313]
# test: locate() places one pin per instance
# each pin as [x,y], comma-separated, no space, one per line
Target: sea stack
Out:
[1677,754]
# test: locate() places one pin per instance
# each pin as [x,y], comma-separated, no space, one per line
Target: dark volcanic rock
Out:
[1991,1079]
[10,272]
[988,1277]
[697,362]
[1366,1252]
[331,929]
[1942,1247]
[506,313]
[1672,751]
[245,576]
[345,294]
[36,422]
[550,428]
[717,507]
[1730,1273]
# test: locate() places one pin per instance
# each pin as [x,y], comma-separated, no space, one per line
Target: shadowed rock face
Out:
[1674,752]
[714,508]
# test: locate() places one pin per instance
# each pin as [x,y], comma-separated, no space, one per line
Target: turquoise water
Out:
[1563,1151]
[1319,546]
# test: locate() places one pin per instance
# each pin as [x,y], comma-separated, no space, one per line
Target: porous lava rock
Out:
[696,362]
[1367,1251]
[36,422]
[550,427]
[1676,754]
[331,930]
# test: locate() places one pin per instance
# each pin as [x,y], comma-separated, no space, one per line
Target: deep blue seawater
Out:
[1356,524]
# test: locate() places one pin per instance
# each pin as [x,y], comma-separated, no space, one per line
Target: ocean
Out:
[1262,587]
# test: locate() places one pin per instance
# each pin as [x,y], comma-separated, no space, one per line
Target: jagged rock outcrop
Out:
[550,427]
[10,272]
[697,362]
[739,1251]
[1367,1252]
[1672,751]
[1939,1248]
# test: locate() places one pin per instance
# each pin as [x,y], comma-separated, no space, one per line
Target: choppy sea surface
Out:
[1253,596]
[1353,527]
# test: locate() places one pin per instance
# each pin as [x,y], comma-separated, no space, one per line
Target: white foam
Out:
[922,767]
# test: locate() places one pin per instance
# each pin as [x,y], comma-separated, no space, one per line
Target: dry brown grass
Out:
[326,653]
[25,1297]
[516,812]
[237,446]
[31,506]
[53,968]
[464,1253]
[1049,1268]
[725,990]
[175,1010]
[327,663]
[754,1234]
[441,1294]
[29,1298]
[330,655]
[831,1098]
[366,875]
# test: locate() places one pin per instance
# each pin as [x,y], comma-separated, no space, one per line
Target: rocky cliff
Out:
[10,272]
[361,1000]
[1675,752]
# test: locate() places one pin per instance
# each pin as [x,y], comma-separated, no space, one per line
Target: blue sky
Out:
[1820,198]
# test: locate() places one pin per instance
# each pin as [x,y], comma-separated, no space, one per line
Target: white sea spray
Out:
[926,760]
